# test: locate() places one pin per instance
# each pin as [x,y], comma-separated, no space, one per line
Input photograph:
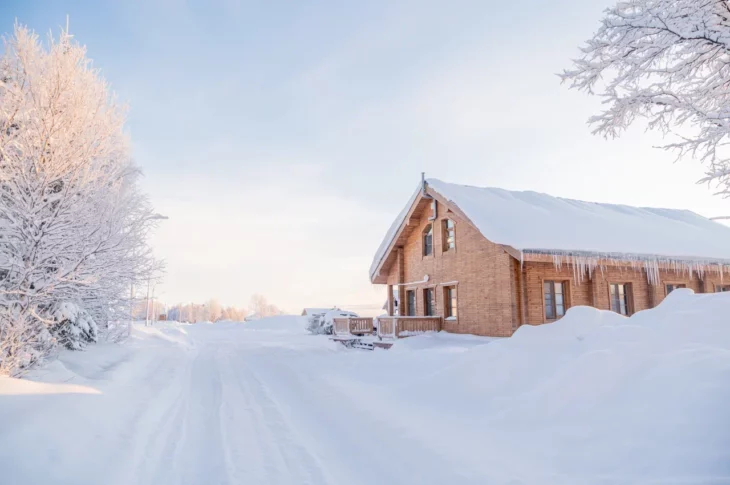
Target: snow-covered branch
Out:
[667,61]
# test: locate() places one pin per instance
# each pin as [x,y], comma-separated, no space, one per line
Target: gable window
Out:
[673,286]
[722,288]
[411,303]
[554,295]
[448,234]
[450,302]
[620,294]
[428,240]
[429,305]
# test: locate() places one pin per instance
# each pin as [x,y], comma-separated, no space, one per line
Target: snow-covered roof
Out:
[532,221]
[314,311]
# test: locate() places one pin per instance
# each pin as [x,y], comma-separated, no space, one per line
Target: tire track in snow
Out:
[145,430]
[359,445]
[262,445]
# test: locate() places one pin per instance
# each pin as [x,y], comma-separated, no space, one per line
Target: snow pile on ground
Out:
[595,398]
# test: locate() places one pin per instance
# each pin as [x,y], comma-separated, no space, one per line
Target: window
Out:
[428,240]
[434,211]
[411,299]
[673,286]
[450,301]
[554,292]
[429,306]
[722,288]
[619,293]
[448,234]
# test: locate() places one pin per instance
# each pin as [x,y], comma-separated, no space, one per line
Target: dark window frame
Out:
[722,288]
[451,302]
[550,299]
[673,287]
[411,302]
[427,240]
[429,302]
[448,235]
[614,298]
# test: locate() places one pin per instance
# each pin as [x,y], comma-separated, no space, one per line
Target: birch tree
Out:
[73,224]
[667,61]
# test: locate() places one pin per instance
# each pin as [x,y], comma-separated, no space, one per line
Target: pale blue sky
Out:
[282,138]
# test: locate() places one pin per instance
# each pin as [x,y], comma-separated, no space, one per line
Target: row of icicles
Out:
[587,265]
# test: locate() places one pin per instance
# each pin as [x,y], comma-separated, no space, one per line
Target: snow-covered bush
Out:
[72,326]
[315,323]
[322,323]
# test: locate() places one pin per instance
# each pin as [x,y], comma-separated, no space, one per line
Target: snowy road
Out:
[266,403]
[214,405]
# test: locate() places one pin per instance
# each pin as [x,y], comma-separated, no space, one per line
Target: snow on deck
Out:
[532,221]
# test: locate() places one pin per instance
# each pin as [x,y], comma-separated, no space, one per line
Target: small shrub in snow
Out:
[322,323]
[315,324]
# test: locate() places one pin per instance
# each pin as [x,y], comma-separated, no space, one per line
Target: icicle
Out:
[653,266]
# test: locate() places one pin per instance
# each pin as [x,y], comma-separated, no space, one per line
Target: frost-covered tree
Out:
[214,310]
[667,61]
[260,305]
[73,224]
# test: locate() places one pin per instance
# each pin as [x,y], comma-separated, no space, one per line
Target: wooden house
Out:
[485,260]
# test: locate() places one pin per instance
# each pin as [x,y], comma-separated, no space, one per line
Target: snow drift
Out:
[594,395]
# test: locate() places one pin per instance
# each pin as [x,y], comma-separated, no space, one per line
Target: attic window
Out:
[448,234]
[434,210]
[428,240]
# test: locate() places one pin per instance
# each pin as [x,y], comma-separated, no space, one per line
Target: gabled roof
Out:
[541,222]
[535,222]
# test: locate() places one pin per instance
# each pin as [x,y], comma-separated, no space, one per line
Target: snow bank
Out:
[19,387]
[593,395]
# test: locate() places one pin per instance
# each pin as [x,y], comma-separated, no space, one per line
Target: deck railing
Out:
[352,326]
[396,327]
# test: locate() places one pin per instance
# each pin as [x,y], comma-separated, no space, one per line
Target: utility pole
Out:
[153,311]
[147,306]
[131,301]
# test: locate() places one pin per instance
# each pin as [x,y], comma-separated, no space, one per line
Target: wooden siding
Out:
[594,291]
[480,270]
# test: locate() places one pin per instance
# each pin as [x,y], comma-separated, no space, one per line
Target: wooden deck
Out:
[352,326]
[398,327]
[359,333]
